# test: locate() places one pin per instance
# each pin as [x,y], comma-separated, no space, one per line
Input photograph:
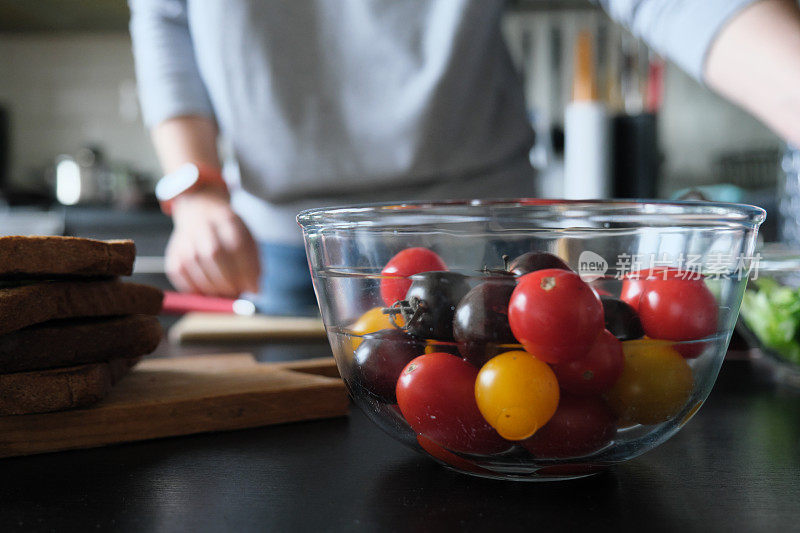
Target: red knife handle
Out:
[178,303]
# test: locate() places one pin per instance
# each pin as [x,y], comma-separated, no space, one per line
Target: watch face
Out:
[177,182]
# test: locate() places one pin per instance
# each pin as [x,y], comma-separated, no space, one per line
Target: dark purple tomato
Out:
[381,357]
[533,261]
[622,320]
[432,300]
[481,321]
[581,425]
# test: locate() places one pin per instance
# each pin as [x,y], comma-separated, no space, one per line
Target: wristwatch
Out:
[187,177]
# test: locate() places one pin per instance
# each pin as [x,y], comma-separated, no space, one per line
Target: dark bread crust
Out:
[33,304]
[54,256]
[43,391]
[76,342]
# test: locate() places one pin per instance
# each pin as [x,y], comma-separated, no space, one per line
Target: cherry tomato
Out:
[678,310]
[432,300]
[597,371]
[690,350]
[533,261]
[370,322]
[480,323]
[555,315]
[581,425]
[435,393]
[621,319]
[517,394]
[634,283]
[655,384]
[406,263]
[379,360]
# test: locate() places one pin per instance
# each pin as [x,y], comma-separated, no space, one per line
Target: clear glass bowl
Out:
[770,313]
[663,382]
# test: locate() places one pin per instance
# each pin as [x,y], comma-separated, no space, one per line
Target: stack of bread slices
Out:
[70,328]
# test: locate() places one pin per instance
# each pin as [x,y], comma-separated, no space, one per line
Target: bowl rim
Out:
[706,213]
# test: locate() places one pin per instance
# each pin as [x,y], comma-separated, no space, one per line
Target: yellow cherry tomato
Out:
[655,384]
[370,322]
[516,394]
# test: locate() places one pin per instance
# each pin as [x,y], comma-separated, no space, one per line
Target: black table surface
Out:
[734,467]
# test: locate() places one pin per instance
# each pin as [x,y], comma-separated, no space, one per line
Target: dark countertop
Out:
[734,467]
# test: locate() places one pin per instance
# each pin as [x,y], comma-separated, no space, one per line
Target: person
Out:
[358,101]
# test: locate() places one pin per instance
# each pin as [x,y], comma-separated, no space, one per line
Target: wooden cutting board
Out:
[181,396]
[214,327]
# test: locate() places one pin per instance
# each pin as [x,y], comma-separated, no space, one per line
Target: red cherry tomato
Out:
[555,315]
[678,310]
[436,394]
[581,425]
[597,371]
[635,282]
[691,350]
[406,263]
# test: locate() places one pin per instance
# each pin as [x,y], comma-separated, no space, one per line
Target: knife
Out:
[178,303]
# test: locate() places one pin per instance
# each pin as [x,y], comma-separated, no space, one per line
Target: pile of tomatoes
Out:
[531,357]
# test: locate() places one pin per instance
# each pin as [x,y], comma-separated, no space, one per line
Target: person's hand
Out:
[210,250]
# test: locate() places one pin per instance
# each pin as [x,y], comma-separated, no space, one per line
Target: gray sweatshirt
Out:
[340,101]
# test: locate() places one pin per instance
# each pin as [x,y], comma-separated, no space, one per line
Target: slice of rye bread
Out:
[40,256]
[59,389]
[33,304]
[73,342]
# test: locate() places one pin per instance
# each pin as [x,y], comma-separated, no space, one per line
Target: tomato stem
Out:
[411,311]
[548,283]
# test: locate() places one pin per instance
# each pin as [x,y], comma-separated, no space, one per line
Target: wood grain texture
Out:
[218,327]
[181,396]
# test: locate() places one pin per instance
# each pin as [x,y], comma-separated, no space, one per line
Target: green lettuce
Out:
[772,312]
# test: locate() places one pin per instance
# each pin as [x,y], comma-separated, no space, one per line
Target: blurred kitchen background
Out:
[75,158]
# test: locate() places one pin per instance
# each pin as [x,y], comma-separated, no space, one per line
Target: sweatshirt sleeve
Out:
[166,71]
[681,30]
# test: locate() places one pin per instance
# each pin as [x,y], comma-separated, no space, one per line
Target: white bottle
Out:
[587,134]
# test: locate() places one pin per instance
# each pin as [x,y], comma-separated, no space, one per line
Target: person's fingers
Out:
[213,253]
[244,256]
[197,276]
[222,284]
[230,261]
[177,273]
[184,264]
[218,265]
[173,268]
[251,263]
[183,281]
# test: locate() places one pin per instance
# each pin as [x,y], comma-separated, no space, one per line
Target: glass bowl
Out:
[503,368]
[770,314]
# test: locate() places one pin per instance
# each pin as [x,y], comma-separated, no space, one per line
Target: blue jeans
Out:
[285,284]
